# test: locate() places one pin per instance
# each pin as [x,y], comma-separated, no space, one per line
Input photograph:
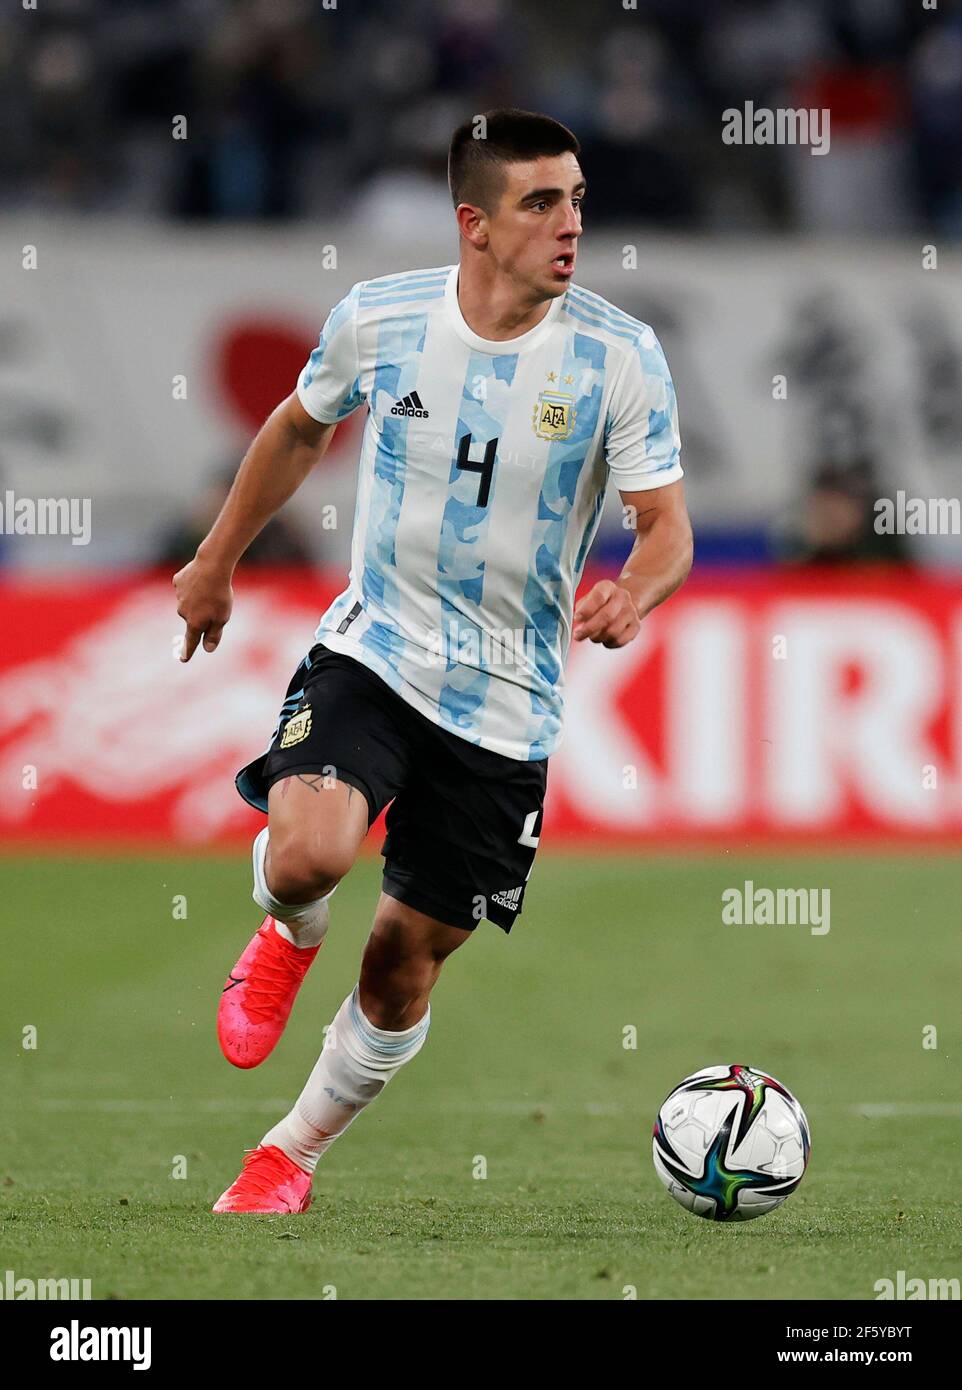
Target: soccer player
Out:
[501,398]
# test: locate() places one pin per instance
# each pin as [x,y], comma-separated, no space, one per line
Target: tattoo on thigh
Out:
[314,780]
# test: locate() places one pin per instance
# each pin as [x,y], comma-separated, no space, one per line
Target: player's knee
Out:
[394,992]
[397,967]
[298,871]
[388,968]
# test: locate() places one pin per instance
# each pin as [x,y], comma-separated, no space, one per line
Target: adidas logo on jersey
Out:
[508,897]
[410,405]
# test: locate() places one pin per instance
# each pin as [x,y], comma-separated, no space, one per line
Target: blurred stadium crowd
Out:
[336,114]
[297,108]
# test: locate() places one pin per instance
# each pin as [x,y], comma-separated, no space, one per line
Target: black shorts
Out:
[464,822]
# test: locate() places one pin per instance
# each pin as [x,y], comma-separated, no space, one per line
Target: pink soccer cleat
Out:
[259,995]
[268,1181]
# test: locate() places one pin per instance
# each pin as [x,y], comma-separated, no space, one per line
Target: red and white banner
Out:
[143,362]
[783,707]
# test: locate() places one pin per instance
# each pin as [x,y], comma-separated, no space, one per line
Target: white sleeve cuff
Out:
[322,416]
[646,482]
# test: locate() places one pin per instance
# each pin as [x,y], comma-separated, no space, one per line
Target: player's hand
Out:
[204,601]
[607,614]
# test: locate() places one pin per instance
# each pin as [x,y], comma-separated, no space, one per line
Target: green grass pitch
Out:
[524,1067]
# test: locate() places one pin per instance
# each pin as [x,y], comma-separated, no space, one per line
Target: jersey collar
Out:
[499,348]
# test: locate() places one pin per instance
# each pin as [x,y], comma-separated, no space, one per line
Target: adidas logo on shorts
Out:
[508,897]
[410,405]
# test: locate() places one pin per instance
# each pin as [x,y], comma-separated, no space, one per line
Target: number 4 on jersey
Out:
[485,467]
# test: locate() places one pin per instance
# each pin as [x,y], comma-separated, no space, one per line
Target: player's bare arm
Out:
[660,560]
[284,450]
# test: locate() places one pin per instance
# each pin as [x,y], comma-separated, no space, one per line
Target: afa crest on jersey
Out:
[554,415]
[297,728]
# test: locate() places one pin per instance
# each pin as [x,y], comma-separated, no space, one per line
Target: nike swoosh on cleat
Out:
[233,981]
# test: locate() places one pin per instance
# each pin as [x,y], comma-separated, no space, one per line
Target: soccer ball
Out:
[731,1143]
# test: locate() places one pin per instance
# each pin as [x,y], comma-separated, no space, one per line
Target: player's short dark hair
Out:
[476,164]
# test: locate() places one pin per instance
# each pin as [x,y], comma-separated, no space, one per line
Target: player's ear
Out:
[472,224]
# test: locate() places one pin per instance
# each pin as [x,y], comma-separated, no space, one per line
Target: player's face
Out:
[533,233]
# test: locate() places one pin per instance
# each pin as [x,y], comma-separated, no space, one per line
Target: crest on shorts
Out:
[297,728]
[554,415]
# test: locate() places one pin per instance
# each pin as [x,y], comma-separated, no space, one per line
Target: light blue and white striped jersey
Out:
[481,479]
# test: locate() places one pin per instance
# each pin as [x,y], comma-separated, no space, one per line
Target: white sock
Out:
[303,924]
[356,1064]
